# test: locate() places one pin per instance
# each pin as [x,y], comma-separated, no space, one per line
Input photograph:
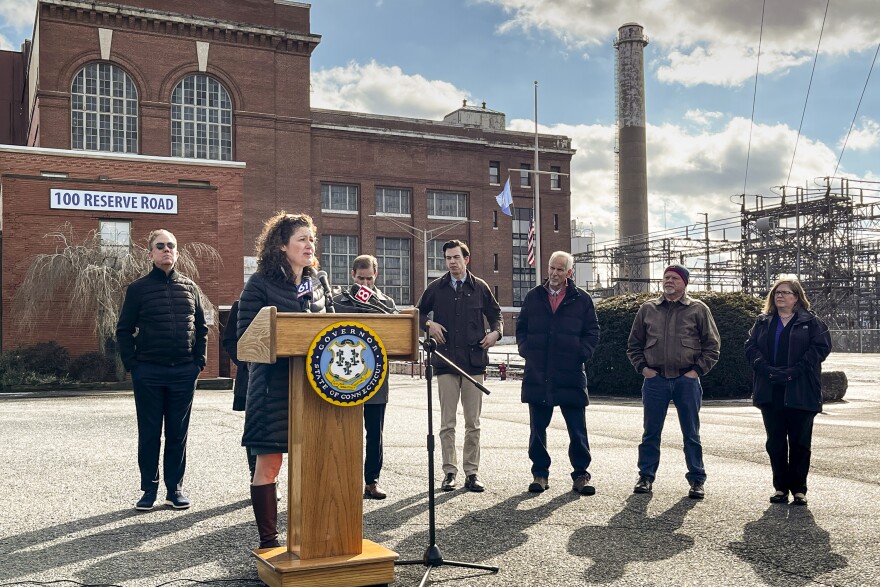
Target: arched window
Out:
[103,110]
[201,119]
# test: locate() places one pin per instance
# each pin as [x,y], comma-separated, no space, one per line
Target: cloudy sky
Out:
[422,57]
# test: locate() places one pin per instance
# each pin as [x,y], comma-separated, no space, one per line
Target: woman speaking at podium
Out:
[285,278]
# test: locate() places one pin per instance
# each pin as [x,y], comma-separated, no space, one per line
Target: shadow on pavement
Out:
[25,554]
[787,548]
[631,536]
[484,535]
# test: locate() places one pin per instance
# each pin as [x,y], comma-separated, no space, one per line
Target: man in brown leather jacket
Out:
[673,342]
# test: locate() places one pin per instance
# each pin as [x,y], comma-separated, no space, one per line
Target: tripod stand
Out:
[433,558]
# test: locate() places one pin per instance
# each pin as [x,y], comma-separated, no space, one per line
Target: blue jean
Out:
[578,445]
[687,395]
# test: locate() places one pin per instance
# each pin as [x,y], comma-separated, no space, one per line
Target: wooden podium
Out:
[325,544]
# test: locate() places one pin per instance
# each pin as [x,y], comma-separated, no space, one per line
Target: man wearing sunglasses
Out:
[163,341]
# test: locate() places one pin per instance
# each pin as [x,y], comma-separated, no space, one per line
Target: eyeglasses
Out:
[781,292]
[161,246]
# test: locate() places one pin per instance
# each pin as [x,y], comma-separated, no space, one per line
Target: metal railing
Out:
[866,340]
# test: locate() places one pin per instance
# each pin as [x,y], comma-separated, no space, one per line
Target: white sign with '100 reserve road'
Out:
[112,201]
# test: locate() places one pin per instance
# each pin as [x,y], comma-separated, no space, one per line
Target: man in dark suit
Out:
[466,323]
[364,271]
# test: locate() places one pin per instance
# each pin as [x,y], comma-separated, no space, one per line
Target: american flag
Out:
[532,243]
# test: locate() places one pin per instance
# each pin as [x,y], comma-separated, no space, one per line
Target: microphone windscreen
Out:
[305,289]
[363,294]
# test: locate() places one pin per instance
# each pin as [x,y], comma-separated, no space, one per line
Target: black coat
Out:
[167,313]
[265,421]
[556,346]
[465,318]
[808,344]
[344,306]
[230,345]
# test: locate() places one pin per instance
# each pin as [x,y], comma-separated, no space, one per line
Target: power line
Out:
[807,98]
[857,110]
[754,97]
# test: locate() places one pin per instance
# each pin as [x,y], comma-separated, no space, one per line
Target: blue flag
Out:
[505,199]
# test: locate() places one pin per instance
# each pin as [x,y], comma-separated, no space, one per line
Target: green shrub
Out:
[610,372]
[93,367]
[44,358]
[15,371]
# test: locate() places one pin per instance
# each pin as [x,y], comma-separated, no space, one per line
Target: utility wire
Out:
[754,97]
[807,98]
[857,111]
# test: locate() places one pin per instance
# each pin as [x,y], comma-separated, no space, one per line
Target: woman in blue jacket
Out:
[786,347]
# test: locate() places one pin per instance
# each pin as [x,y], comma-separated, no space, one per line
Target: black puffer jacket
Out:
[265,422]
[809,344]
[556,346]
[344,305]
[167,313]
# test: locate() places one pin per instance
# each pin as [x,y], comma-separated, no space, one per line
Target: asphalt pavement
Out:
[70,481]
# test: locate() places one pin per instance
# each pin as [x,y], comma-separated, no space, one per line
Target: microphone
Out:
[304,293]
[360,295]
[328,293]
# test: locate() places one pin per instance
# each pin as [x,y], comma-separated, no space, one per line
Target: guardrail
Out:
[514,366]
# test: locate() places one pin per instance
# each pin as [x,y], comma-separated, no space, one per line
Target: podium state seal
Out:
[347,363]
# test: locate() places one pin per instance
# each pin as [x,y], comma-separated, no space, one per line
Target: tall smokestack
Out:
[632,169]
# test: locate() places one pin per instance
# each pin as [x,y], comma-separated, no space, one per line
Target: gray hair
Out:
[569,258]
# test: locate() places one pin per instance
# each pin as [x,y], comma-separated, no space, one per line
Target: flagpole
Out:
[537,178]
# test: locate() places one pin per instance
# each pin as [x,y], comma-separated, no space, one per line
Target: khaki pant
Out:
[451,388]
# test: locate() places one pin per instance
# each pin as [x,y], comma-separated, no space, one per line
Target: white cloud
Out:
[17,13]
[722,65]
[380,89]
[702,117]
[5,45]
[708,42]
[688,171]
[863,137]
[695,166]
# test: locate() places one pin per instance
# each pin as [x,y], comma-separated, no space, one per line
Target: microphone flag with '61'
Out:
[305,289]
[363,294]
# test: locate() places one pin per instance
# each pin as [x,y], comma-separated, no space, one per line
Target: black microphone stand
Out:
[433,557]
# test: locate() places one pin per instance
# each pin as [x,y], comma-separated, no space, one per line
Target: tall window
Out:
[201,119]
[436,258]
[523,273]
[339,198]
[115,237]
[555,182]
[393,201]
[337,255]
[525,178]
[495,172]
[395,272]
[447,204]
[103,110]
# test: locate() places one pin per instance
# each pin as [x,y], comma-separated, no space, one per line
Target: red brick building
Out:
[209,101]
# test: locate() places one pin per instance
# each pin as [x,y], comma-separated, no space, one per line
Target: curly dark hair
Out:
[277,230]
